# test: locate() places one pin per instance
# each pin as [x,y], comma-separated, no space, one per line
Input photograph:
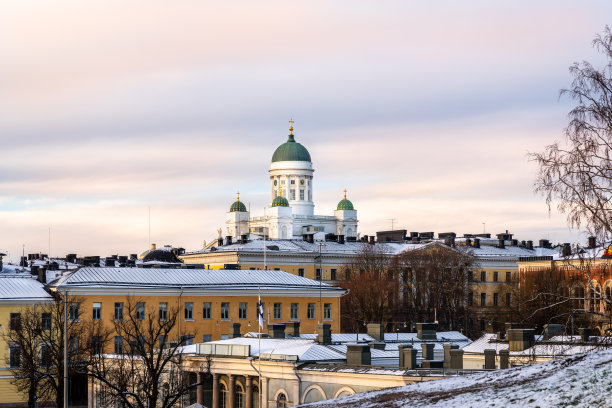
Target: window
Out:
[508,299]
[206,338]
[311,310]
[45,355]
[277,269]
[327,311]
[187,340]
[74,312]
[15,323]
[470,276]
[188,311]
[317,274]
[252,268]
[240,396]
[495,276]
[283,182]
[140,311]
[73,348]
[97,310]
[225,311]
[294,311]
[495,299]
[14,355]
[292,193]
[46,321]
[309,194]
[224,396]
[508,276]
[206,310]
[118,345]
[609,297]
[281,401]
[163,339]
[96,343]
[277,310]
[163,310]
[483,299]
[333,274]
[470,299]
[118,310]
[301,272]
[293,182]
[483,276]
[302,195]
[242,310]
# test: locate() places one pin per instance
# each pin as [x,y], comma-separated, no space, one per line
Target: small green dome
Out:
[280,201]
[291,151]
[238,206]
[345,205]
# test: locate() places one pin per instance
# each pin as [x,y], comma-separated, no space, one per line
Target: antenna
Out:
[484,229]
[392,221]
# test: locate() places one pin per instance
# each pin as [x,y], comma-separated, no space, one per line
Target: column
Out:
[263,390]
[249,391]
[216,398]
[200,389]
[232,392]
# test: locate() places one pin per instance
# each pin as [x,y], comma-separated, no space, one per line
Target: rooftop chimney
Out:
[502,243]
[292,329]
[376,331]
[476,242]
[358,354]
[324,334]
[235,331]
[372,239]
[592,242]
[228,240]
[276,330]
[468,242]
[427,331]
[341,239]
[520,339]
[567,249]
[530,245]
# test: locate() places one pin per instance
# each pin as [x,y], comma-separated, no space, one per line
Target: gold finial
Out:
[345,193]
[291,122]
[238,196]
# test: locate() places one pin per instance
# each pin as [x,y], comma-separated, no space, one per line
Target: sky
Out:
[424,111]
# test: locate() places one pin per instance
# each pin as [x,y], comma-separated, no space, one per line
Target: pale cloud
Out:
[425,112]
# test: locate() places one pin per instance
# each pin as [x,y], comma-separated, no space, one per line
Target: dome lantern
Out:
[345,204]
[291,150]
[238,205]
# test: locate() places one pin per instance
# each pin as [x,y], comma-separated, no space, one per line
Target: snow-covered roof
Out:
[305,350]
[14,288]
[189,278]
[555,346]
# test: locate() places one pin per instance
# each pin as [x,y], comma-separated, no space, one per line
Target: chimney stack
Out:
[567,249]
[592,242]
[324,334]
[476,242]
[376,331]
[276,331]
[235,331]
[358,354]
[530,245]
[341,239]
[502,243]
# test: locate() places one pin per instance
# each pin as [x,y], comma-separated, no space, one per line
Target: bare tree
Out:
[372,286]
[433,284]
[37,333]
[577,175]
[142,365]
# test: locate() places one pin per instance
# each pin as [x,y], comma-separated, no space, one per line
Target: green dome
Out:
[291,151]
[280,201]
[238,206]
[345,205]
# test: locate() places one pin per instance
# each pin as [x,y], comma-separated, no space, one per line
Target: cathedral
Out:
[290,214]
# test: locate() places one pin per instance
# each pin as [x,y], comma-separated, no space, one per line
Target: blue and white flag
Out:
[260,313]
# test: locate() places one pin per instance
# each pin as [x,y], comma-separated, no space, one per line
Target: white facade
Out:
[293,180]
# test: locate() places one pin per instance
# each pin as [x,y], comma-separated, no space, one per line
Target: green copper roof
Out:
[291,151]
[238,206]
[280,201]
[345,205]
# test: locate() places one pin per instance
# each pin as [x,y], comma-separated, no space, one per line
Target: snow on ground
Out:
[583,380]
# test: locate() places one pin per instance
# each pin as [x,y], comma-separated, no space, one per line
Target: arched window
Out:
[240,396]
[349,232]
[281,401]
[608,299]
[284,232]
[224,396]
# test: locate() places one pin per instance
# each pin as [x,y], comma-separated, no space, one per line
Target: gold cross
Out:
[345,193]
[291,122]
[238,196]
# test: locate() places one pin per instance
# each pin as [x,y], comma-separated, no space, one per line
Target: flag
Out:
[260,313]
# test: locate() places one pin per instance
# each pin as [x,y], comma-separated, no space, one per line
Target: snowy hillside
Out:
[583,380]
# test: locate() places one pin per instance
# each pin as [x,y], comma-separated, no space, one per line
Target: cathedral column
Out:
[200,389]
[249,391]
[215,391]
[232,391]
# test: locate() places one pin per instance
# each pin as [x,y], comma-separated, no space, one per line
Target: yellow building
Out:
[17,293]
[210,302]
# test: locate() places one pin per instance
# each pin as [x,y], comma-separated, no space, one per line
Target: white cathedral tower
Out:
[291,211]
